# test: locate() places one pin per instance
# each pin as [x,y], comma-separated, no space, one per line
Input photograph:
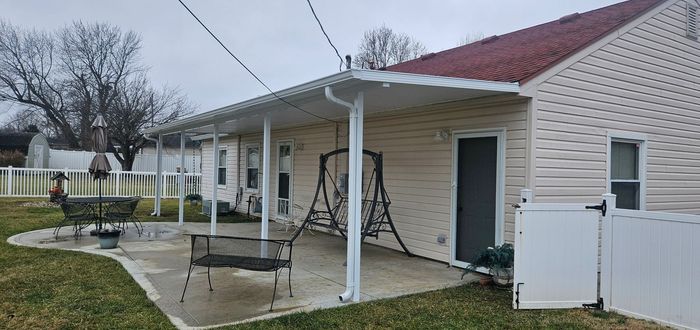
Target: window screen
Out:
[624,176]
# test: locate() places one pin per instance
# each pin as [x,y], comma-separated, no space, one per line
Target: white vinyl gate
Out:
[556,256]
[649,261]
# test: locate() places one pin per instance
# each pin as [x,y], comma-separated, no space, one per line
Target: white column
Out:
[159,174]
[265,178]
[606,250]
[357,225]
[352,173]
[181,202]
[214,179]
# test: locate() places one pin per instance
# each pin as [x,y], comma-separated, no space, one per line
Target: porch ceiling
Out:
[384,91]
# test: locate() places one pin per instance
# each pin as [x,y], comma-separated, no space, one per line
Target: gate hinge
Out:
[597,305]
[603,207]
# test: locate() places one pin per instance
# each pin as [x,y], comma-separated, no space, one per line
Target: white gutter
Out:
[353,263]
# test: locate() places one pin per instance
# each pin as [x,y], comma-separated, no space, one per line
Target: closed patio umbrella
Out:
[99,167]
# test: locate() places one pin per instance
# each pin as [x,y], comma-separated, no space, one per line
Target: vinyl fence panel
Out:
[654,266]
[36,182]
[72,159]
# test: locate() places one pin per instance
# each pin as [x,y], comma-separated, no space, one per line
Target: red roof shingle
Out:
[521,55]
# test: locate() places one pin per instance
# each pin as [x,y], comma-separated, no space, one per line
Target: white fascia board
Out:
[435,81]
[373,76]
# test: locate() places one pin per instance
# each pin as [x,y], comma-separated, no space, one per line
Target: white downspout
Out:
[352,290]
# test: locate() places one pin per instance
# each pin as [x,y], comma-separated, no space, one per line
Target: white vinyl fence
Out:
[72,159]
[651,266]
[649,261]
[36,182]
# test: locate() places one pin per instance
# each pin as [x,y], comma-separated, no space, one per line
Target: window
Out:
[222,168]
[252,166]
[626,173]
[692,21]
[284,171]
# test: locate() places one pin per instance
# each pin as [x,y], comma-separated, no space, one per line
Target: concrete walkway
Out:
[159,259]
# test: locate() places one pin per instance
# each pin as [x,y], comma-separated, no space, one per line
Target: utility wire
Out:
[326,34]
[246,67]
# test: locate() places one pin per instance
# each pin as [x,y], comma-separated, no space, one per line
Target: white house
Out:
[602,101]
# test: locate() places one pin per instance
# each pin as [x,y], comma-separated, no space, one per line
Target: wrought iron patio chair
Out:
[79,215]
[119,214]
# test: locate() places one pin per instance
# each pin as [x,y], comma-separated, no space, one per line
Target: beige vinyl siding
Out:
[645,81]
[227,193]
[418,170]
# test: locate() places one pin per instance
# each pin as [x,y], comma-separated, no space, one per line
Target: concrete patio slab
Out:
[158,261]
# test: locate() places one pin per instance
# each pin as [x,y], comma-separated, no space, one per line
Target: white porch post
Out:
[159,175]
[214,179]
[181,202]
[266,178]
[357,200]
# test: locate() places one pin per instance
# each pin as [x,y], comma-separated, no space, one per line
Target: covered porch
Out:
[342,99]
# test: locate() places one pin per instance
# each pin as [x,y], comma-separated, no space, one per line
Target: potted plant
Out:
[108,238]
[498,261]
[194,199]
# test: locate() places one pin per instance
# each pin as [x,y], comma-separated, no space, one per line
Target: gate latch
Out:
[603,207]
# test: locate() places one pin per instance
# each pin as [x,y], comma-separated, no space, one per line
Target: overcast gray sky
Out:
[278,39]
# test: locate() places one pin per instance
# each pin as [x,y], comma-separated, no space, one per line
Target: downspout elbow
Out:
[332,98]
[347,295]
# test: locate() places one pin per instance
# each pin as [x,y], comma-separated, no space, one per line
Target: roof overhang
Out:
[383,91]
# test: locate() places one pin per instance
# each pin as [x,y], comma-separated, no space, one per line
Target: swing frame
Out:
[375,214]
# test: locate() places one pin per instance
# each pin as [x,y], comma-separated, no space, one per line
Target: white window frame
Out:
[500,134]
[629,137]
[291,178]
[224,165]
[249,146]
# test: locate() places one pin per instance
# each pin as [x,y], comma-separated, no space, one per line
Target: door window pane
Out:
[283,185]
[222,168]
[252,162]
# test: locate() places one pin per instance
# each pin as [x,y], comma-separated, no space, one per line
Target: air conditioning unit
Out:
[221,207]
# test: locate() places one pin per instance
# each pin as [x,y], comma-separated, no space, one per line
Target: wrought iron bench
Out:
[262,255]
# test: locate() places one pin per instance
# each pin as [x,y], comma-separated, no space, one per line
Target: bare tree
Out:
[381,47]
[470,37]
[81,71]
[137,106]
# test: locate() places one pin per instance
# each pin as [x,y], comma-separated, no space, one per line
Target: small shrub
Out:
[11,158]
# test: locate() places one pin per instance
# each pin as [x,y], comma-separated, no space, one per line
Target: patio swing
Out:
[333,213]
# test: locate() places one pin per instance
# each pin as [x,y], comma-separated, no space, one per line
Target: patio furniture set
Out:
[81,213]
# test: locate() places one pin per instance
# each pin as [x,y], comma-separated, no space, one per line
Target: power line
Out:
[326,34]
[246,67]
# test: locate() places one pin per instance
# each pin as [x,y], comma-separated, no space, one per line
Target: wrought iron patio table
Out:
[95,200]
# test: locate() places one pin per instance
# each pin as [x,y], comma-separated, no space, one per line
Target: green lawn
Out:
[60,289]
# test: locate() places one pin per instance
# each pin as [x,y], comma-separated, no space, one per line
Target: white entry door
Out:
[38,156]
[556,256]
